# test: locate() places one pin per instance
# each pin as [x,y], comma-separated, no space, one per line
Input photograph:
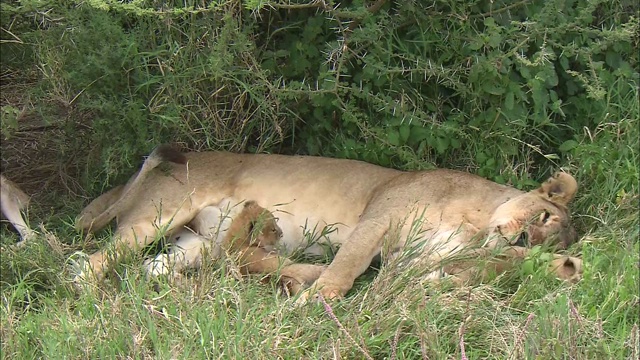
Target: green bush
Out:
[500,88]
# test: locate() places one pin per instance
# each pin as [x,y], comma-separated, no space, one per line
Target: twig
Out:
[17,39]
[372,9]
[423,348]
[519,338]
[500,10]
[333,317]
[394,345]
[463,354]
[315,4]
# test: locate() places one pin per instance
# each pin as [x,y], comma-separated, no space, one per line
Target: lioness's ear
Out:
[560,188]
[250,203]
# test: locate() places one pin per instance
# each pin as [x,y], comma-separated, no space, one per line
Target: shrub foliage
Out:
[498,87]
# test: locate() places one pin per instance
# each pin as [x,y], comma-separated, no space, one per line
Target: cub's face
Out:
[537,217]
[264,230]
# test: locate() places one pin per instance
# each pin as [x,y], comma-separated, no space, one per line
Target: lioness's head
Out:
[264,232]
[537,217]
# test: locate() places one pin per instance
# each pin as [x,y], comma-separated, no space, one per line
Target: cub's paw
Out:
[157,266]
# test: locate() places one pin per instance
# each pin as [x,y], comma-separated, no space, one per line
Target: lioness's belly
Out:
[311,221]
[322,204]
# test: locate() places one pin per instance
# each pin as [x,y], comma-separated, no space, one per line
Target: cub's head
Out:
[262,229]
[537,217]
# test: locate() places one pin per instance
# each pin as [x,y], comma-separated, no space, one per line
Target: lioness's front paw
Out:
[567,268]
[312,294]
[296,277]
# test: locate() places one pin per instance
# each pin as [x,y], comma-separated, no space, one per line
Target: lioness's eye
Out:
[545,216]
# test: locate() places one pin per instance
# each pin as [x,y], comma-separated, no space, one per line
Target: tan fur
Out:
[254,226]
[102,210]
[362,203]
[13,202]
[250,238]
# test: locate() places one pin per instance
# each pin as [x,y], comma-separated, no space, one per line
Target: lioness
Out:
[363,203]
[13,202]
[251,237]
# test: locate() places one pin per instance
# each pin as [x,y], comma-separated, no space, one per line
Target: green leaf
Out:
[405,131]
[475,45]
[538,92]
[551,78]
[493,88]
[568,146]
[528,267]
[525,72]
[546,257]
[564,62]
[481,157]
[394,137]
[495,40]
[613,59]
[441,144]
[417,134]
[509,100]
[536,250]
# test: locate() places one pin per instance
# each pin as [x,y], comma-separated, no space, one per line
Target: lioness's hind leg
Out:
[97,207]
[185,253]
[131,237]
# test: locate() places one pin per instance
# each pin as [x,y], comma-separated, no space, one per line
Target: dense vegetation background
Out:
[510,90]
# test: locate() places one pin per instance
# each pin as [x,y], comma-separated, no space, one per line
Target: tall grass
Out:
[391,315]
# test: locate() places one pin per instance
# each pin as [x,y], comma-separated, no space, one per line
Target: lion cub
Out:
[251,236]
[237,230]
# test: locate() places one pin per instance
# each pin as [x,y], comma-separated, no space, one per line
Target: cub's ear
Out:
[559,189]
[250,204]
[252,211]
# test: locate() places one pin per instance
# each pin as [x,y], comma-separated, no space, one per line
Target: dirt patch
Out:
[34,152]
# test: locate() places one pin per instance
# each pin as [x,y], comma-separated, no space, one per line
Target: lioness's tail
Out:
[101,210]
